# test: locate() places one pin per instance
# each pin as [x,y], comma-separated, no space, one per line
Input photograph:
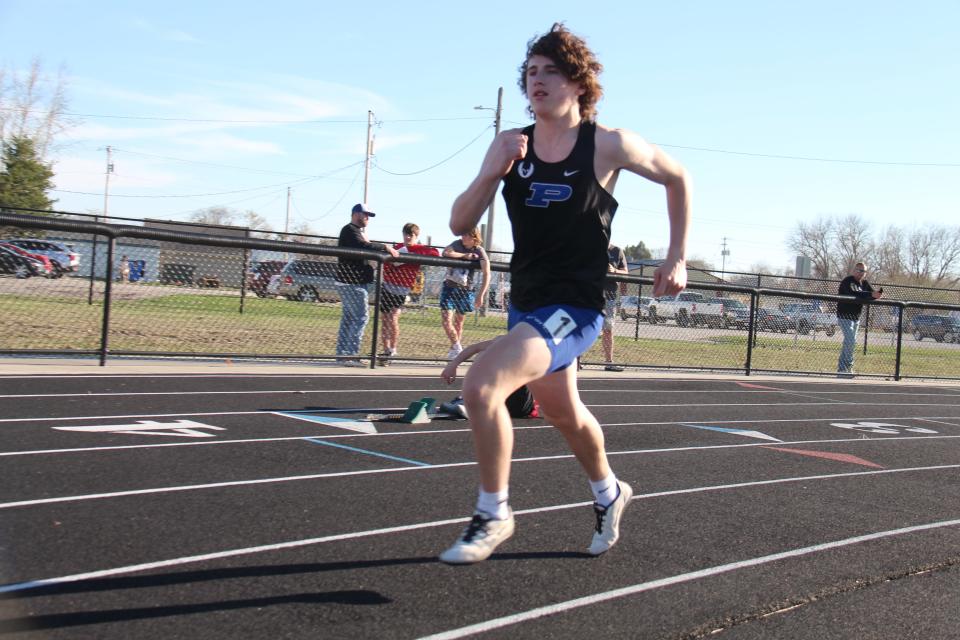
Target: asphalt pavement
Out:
[170,499]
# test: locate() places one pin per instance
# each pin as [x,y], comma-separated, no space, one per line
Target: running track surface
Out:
[266,506]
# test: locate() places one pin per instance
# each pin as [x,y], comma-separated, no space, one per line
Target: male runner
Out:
[558,178]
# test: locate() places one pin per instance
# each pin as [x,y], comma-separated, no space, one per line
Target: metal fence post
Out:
[378,291]
[750,332]
[93,267]
[897,361]
[866,330]
[243,278]
[107,302]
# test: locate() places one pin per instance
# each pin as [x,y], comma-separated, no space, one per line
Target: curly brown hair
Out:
[575,60]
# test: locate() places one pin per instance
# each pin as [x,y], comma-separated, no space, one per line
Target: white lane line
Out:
[949,424]
[396,409]
[425,432]
[113,394]
[604,596]
[449,465]
[34,584]
[203,413]
[108,394]
[219,376]
[219,485]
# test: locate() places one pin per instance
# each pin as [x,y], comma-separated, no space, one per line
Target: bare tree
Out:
[887,257]
[257,224]
[919,256]
[220,216]
[815,240]
[852,242]
[302,233]
[34,106]
[949,255]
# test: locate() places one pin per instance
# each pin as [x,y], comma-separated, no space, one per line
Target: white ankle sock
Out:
[494,504]
[605,491]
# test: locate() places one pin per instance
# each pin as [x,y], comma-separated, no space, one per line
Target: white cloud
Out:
[172,35]
[87,174]
[222,144]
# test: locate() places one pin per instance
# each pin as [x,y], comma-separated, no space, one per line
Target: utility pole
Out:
[286,224]
[488,238]
[723,257]
[366,166]
[106,186]
[106,211]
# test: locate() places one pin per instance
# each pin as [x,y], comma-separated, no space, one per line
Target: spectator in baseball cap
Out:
[354,276]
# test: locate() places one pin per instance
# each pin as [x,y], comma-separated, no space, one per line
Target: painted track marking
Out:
[561,607]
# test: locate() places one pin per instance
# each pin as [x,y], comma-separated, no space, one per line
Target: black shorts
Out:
[390,301]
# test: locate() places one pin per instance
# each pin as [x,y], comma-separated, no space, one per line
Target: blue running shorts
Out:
[568,331]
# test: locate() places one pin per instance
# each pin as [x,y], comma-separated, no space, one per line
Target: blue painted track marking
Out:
[367,451]
[738,432]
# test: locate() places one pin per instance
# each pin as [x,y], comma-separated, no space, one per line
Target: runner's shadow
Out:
[77,619]
[209,575]
[261,571]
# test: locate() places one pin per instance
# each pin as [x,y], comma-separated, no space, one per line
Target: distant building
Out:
[195,264]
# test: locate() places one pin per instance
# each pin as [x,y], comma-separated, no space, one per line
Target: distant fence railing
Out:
[182,294]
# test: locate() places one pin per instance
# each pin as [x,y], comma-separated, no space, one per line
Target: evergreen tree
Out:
[637,252]
[25,179]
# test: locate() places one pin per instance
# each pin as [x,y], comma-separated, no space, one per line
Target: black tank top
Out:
[561,220]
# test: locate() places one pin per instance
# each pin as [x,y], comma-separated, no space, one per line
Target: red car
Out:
[258,277]
[47,265]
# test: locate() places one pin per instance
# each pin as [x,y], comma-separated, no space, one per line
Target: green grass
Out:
[204,323]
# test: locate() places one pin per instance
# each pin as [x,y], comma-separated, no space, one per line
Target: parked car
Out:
[940,328]
[773,320]
[47,264]
[734,313]
[687,308]
[260,273]
[20,266]
[62,257]
[808,317]
[306,281]
[737,319]
[634,307]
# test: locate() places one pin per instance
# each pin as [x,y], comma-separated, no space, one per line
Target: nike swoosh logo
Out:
[567,174]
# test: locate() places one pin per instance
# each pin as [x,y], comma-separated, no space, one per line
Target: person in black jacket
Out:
[848,314]
[354,276]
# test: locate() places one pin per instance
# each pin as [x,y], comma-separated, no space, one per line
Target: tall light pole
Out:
[723,260]
[106,205]
[366,165]
[496,127]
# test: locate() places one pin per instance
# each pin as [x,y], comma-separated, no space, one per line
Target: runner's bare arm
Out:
[622,149]
[468,208]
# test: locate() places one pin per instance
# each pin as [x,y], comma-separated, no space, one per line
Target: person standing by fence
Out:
[458,296]
[848,314]
[616,263]
[398,279]
[353,279]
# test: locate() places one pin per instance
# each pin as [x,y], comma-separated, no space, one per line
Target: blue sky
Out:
[244,99]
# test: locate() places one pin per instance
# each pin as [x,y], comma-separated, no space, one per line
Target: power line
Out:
[105,116]
[191,195]
[228,166]
[337,203]
[434,166]
[810,159]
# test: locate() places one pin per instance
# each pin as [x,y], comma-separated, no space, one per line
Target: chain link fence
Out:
[162,292]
